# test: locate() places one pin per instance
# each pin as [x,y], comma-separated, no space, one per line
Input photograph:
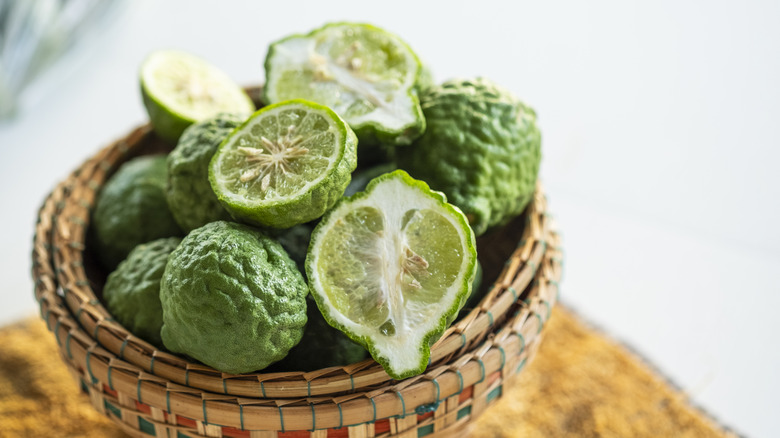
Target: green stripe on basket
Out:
[114,410]
[521,365]
[462,412]
[425,430]
[494,394]
[146,427]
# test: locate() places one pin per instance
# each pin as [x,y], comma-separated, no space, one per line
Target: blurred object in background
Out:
[35,33]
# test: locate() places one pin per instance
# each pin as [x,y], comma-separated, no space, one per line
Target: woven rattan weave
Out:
[151,392]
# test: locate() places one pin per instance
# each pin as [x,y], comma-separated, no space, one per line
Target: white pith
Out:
[275,159]
[191,87]
[395,109]
[414,320]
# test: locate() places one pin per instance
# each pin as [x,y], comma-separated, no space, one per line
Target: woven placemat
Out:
[580,384]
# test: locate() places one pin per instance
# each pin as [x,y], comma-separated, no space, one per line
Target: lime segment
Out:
[286,165]
[180,89]
[364,73]
[391,267]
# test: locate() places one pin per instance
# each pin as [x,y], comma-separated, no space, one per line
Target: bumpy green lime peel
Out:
[391,267]
[179,89]
[131,209]
[132,291]
[232,298]
[366,74]
[188,192]
[286,165]
[482,148]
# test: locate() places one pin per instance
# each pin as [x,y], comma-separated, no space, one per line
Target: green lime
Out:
[189,194]
[286,165]
[391,267]
[367,75]
[131,209]
[179,89]
[322,346]
[132,291]
[232,298]
[482,148]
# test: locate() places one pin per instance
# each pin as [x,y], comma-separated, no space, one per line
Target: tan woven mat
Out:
[580,384]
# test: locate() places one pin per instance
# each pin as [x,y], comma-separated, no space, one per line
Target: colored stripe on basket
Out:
[425,430]
[482,370]
[462,412]
[89,367]
[403,405]
[114,410]
[110,383]
[460,382]
[67,345]
[520,366]
[494,393]
[146,426]
[57,333]
[522,342]
[122,349]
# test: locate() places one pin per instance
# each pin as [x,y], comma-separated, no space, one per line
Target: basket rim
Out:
[68,240]
[503,353]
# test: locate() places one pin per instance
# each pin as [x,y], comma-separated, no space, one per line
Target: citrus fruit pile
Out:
[337,220]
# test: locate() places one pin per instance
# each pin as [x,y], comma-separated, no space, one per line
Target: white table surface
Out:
[661,140]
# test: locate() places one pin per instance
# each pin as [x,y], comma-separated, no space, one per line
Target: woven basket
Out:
[154,393]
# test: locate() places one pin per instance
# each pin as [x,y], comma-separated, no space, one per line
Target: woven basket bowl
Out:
[153,393]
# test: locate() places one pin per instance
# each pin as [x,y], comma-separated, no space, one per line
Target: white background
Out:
[661,140]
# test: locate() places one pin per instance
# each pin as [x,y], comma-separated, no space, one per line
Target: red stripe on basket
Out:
[109,391]
[382,426]
[336,433]
[231,432]
[295,434]
[424,416]
[143,407]
[184,421]
[493,377]
[466,394]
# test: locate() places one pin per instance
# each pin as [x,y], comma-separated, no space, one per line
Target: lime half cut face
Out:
[391,267]
[180,89]
[287,164]
[364,73]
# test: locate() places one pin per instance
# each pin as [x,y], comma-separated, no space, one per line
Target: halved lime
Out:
[391,267]
[286,165]
[179,89]
[364,73]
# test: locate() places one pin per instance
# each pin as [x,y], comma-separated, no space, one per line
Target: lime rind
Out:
[307,203]
[368,130]
[172,111]
[426,332]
